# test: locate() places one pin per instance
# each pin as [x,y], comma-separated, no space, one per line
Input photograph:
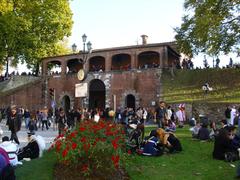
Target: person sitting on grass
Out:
[169,140]
[224,148]
[214,130]
[224,123]
[195,130]
[171,126]
[6,169]
[11,148]
[203,133]
[33,149]
[151,146]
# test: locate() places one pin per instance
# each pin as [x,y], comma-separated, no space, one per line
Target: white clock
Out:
[81,75]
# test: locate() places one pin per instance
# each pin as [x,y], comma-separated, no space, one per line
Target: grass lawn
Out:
[186,86]
[195,162]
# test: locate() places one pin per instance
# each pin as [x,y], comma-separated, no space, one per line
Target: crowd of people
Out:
[161,140]
[9,76]
[226,138]
[10,153]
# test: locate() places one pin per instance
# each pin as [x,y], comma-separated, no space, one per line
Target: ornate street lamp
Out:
[85,51]
[74,48]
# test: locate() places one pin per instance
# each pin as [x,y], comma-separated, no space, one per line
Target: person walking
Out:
[27,118]
[160,114]
[14,123]
[61,121]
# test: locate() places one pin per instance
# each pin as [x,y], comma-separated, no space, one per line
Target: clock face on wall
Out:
[81,75]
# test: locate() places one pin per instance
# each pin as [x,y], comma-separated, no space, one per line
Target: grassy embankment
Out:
[186,86]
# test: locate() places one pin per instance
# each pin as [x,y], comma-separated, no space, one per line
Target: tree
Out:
[30,30]
[211,26]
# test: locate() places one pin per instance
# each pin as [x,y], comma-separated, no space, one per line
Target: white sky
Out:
[113,23]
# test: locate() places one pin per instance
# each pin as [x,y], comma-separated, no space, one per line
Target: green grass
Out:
[37,169]
[186,86]
[194,162]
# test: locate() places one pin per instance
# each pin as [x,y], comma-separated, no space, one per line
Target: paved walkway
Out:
[48,135]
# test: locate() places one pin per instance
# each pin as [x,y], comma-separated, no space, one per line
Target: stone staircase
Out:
[16,83]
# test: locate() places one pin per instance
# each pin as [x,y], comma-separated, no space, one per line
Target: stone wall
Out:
[214,111]
[28,96]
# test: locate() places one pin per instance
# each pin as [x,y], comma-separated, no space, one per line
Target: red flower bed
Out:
[92,148]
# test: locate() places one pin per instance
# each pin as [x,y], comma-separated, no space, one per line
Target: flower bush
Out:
[92,147]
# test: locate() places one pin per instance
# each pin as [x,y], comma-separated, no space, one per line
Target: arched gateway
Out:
[97,94]
[130,101]
[66,103]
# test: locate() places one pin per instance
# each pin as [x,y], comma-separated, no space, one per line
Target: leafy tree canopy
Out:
[30,30]
[209,26]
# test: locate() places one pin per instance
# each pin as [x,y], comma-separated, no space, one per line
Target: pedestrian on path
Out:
[14,123]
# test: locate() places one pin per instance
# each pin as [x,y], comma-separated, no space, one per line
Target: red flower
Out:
[115,145]
[82,129]
[74,145]
[115,160]
[58,146]
[129,151]
[103,139]
[86,147]
[83,139]
[85,168]
[73,134]
[64,153]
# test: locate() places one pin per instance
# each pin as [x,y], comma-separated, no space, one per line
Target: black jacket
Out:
[222,145]
[14,122]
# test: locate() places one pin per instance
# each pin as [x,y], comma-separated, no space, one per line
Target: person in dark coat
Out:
[33,149]
[61,121]
[14,123]
[169,140]
[203,133]
[224,143]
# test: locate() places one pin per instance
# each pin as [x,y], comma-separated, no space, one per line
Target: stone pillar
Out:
[108,62]
[133,60]
[166,57]
[161,58]
[63,67]
[87,63]
[44,68]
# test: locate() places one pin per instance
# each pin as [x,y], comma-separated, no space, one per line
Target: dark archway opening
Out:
[66,103]
[121,62]
[97,93]
[130,101]
[97,64]
[54,67]
[148,59]
[74,65]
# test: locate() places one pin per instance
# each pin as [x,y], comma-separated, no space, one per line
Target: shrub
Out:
[92,147]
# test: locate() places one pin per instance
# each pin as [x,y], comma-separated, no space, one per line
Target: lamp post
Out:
[74,48]
[81,75]
[85,51]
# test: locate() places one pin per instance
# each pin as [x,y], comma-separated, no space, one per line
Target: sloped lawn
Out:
[195,162]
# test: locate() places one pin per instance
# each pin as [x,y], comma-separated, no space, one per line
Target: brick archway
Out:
[61,99]
[97,94]
[133,93]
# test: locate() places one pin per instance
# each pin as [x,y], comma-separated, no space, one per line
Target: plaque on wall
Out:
[81,90]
